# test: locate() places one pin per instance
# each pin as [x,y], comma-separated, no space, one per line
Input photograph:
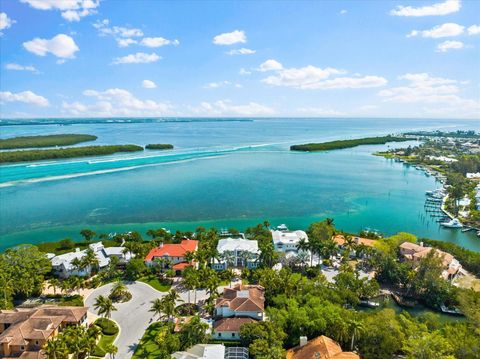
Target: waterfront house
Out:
[321,347]
[237,253]
[173,255]
[286,241]
[23,332]
[202,351]
[63,265]
[415,252]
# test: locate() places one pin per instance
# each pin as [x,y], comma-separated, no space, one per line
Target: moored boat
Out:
[454,223]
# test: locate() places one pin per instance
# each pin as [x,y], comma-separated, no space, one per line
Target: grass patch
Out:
[156,283]
[75,300]
[148,348]
[109,333]
[44,141]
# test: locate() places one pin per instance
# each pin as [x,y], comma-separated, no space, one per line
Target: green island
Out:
[44,141]
[340,144]
[159,146]
[37,155]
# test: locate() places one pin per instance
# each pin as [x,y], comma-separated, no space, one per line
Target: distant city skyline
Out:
[91,58]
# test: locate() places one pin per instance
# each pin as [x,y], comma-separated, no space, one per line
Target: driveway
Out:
[134,316]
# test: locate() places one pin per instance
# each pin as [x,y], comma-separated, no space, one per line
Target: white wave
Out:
[93,173]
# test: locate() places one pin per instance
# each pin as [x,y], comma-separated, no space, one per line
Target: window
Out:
[22,347]
[233,334]
[219,335]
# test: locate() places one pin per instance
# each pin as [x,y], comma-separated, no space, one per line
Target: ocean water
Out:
[222,173]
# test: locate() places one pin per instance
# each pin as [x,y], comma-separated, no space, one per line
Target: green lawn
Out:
[108,327]
[154,282]
[147,348]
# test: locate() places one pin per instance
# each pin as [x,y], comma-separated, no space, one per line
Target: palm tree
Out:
[157,307]
[104,306]
[170,303]
[112,350]
[356,327]
[90,260]
[55,348]
[118,289]
[229,258]
[65,286]
[77,264]
[53,283]
[266,224]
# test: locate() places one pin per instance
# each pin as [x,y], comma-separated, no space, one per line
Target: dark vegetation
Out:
[44,141]
[67,245]
[37,155]
[159,146]
[456,134]
[336,145]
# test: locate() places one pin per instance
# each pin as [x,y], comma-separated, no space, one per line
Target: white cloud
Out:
[443,8]
[149,84]
[444,30]
[137,58]
[440,92]
[450,45]
[230,38]
[17,67]
[61,46]
[28,97]
[72,10]
[318,111]
[5,22]
[116,102]
[116,31]
[242,51]
[270,65]
[226,108]
[214,85]
[244,72]
[343,12]
[125,42]
[474,30]
[312,78]
[157,42]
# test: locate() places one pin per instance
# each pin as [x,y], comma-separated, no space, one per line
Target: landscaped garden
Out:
[109,331]
[157,283]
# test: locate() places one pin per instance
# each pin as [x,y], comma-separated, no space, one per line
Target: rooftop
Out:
[320,348]
[288,236]
[173,250]
[237,244]
[243,298]
[231,324]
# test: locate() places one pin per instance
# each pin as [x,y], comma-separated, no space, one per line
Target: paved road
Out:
[134,316]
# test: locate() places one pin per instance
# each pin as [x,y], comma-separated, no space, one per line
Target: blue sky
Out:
[89,58]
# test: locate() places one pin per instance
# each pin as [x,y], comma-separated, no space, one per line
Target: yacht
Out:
[282,227]
[454,223]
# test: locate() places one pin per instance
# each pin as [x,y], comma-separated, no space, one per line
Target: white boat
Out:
[282,227]
[454,223]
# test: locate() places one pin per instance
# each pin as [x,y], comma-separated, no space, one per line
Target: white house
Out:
[63,267]
[236,252]
[202,351]
[286,241]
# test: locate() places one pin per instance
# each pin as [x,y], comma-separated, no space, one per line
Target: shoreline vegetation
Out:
[159,146]
[340,144]
[44,141]
[37,155]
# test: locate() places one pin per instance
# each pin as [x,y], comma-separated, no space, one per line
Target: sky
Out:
[111,58]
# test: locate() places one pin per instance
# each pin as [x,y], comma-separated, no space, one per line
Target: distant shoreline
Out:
[340,144]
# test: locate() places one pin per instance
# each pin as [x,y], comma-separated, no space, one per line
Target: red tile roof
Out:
[231,324]
[173,250]
[320,348]
[181,266]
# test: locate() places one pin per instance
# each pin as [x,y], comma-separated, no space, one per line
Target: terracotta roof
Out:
[320,348]
[181,265]
[340,240]
[36,323]
[243,298]
[173,250]
[421,252]
[410,246]
[231,324]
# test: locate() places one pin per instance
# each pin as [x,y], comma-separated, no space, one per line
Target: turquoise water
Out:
[221,174]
